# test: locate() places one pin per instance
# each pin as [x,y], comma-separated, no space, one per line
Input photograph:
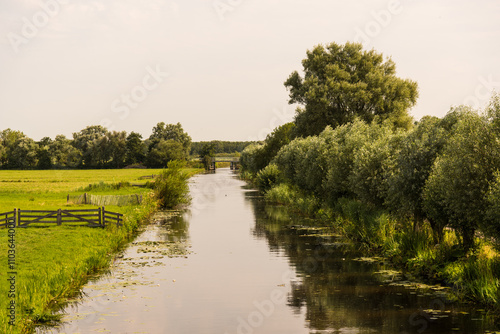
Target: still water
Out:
[232,264]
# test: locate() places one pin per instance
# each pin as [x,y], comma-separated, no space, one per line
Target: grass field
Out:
[48,189]
[52,263]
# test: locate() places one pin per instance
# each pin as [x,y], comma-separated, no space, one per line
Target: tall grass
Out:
[363,223]
[294,197]
[103,186]
[475,278]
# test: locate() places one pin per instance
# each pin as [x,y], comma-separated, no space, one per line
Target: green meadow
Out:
[53,262]
[48,189]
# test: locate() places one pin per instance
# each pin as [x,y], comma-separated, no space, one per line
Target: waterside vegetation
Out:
[424,194]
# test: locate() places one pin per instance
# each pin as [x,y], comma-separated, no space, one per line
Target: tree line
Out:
[218,147]
[95,147]
[353,139]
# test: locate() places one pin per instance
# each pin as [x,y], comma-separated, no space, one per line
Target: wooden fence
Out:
[92,217]
[103,200]
[7,217]
[150,177]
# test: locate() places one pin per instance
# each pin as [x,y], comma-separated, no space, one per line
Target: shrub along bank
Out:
[428,197]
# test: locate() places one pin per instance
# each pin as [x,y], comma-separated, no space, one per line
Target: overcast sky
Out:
[218,66]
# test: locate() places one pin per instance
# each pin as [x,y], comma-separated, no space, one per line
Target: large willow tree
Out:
[344,82]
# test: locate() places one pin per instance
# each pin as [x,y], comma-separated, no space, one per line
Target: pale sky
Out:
[218,66]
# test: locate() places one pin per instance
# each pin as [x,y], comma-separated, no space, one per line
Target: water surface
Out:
[241,266]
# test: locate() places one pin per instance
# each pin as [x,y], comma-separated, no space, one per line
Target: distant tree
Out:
[9,138]
[220,147]
[91,141]
[20,152]
[63,154]
[136,149]
[172,132]
[43,154]
[2,153]
[24,155]
[116,147]
[207,152]
[163,152]
[45,141]
[344,82]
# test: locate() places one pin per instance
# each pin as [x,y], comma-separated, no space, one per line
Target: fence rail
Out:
[116,218]
[92,217]
[7,217]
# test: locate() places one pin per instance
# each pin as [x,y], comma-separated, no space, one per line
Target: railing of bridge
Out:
[225,159]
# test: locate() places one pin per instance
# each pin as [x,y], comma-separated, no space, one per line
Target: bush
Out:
[280,194]
[268,177]
[171,186]
[251,159]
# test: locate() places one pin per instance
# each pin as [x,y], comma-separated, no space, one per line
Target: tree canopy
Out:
[94,147]
[344,82]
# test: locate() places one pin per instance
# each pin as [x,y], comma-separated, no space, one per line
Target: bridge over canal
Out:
[234,162]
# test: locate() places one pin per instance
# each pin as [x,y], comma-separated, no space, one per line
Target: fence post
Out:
[103,216]
[59,217]
[18,217]
[85,198]
[99,210]
[15,217]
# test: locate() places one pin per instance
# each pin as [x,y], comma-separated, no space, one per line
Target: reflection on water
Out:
[340,294]
[232,264]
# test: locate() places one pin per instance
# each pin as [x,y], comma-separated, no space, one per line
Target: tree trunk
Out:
[437,231]
[418,220]
[468,238]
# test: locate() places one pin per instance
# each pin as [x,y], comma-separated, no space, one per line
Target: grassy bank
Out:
[474,277]
[53,262]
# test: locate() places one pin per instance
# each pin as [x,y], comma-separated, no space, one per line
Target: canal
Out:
[233,264]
